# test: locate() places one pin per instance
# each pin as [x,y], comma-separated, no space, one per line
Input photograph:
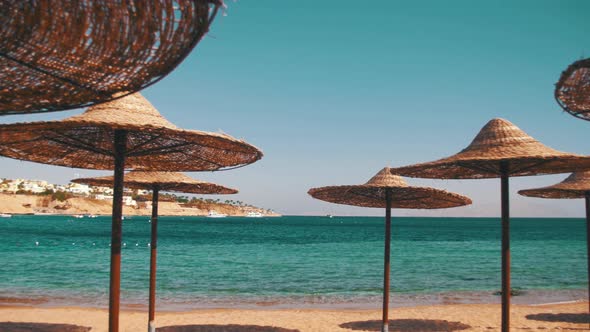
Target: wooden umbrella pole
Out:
[386,267]
[588,242]
[116,230]
[505,248]
[153,246]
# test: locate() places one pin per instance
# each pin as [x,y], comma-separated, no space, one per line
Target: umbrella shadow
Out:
[41,327]
[223,328]
[407,325]
[579,318]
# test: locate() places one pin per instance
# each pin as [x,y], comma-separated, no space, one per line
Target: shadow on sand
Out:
[579,318]
[407,325]
[222,328]
[40,327]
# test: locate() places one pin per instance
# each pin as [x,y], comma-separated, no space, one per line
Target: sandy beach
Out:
[479,317]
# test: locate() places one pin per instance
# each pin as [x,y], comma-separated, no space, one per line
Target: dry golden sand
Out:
[480,317]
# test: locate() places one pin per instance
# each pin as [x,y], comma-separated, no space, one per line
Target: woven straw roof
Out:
[577,185]
[499,141]
[165,181]
[372,194]
[57,55]
[153,143]
[572,91]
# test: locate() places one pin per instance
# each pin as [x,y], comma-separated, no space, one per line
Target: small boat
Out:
[215,214]
[5,215]
[254,214]
[91,216]
[330,216]
[79,216]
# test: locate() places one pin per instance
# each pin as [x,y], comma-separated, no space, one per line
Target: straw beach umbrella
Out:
[388,191]
[123,133]
[156,182]
[61,54]
[577,185]
[572,91]
[500,150]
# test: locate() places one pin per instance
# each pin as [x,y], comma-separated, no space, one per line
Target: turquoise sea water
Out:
[286,261]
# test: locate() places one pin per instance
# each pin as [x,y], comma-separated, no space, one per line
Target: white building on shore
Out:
[78,189]
[127,200]
[41,186]
[34,186]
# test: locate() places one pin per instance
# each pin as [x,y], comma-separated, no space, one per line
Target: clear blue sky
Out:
[332,91]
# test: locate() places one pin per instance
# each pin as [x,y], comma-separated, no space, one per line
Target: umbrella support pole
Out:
[386,266]
[505,249]
[117,230]
[153,252]
[588,243]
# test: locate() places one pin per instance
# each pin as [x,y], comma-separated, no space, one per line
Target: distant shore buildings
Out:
[26,186]
[134,198]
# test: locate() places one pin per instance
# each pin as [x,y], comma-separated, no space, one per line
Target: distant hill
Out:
[48,204]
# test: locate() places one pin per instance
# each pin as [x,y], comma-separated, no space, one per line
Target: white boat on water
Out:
[5,215]
[254,214]
[79,216]
[215,214]
[91,216]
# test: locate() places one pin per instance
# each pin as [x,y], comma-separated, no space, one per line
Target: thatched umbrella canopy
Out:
[161,181]
[123,133]
[572,91]
[86,141]
[500,150]
[577,185]
[386,190]
[58,55]
[156,182]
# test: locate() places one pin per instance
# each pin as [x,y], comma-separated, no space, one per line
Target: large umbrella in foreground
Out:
[388,191]
[123,133]
[572,91]
[63,54]
[156,182]
[500,150]
[577,185]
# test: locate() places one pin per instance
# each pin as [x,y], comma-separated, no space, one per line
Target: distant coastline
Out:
[25,204]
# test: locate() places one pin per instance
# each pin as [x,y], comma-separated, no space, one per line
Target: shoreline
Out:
[536,297]
[472,317]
